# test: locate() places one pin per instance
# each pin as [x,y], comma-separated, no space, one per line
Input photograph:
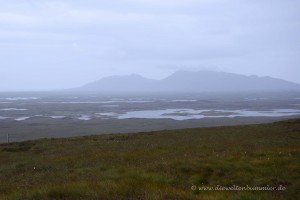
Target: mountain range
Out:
[186,81]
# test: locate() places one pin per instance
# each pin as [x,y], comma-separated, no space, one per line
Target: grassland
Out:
[156,165]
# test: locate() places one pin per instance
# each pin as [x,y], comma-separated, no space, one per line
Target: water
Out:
[93,102]
[176,114]
[22,118]
[19,98]
[108,114]
[58,117]
[185,114]
[179,100]
[84,117]
[178,107]
[13,109]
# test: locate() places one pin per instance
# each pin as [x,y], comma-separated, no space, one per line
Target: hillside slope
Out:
[156,165]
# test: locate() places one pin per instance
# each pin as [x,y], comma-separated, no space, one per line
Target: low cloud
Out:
[97,39]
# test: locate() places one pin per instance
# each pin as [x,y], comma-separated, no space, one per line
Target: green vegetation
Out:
[156,165]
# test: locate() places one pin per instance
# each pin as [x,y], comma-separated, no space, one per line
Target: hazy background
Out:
[48,45]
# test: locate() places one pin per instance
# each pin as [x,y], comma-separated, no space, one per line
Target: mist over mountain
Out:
[131,82]
[186,81]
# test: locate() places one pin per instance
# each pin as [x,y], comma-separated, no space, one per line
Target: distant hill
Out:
[185,81]
[131,83]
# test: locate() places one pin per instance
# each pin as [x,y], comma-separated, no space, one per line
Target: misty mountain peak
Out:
[187,81]
[135,75]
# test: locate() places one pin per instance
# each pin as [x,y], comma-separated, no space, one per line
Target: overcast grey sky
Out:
[55,44]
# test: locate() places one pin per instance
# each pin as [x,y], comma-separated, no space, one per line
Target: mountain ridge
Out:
[187,81]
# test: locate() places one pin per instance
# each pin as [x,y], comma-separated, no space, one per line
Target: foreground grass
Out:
[156,165]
